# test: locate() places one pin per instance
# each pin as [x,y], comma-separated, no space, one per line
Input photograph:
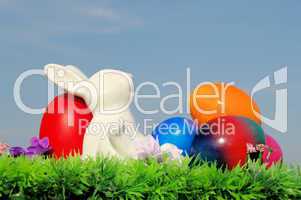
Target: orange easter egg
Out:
[211,100]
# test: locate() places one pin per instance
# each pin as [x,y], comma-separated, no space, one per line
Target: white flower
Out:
[173,152]
[148,147]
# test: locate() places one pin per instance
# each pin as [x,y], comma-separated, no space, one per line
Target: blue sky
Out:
[241,41]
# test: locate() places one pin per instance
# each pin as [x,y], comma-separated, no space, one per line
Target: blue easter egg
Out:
[179,131]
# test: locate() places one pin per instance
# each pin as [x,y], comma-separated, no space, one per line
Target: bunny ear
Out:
[65,76]
[77,71]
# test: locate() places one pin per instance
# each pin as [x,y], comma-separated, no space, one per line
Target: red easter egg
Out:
[64,123]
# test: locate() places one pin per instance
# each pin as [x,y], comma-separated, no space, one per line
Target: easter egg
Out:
[179,131]
[64,123]
[272,151]
[228,141]
[212,100]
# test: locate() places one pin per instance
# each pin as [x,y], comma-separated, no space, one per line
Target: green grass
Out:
[73,178]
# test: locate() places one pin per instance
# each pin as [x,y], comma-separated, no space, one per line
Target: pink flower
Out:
[3,148]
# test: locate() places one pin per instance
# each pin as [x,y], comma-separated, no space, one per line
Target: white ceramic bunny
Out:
[105,92]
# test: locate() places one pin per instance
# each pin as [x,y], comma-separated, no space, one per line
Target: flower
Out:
[37,147]
[17,151]
[3,148]
[36,142]
[44,142]
[148,147]
[173,152]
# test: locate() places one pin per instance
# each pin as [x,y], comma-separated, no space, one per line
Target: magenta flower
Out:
[37,147]
[17,151]
[34,141]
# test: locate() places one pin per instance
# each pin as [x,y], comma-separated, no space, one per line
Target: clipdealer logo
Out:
[279,78]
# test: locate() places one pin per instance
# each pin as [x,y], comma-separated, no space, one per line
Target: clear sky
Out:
[241,41]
